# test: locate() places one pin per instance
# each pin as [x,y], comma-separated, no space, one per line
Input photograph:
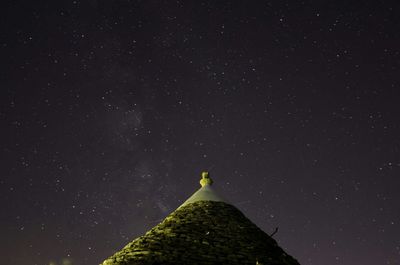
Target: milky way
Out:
[110,110]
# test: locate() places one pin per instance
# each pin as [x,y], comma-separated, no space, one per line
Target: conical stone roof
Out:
[203,230]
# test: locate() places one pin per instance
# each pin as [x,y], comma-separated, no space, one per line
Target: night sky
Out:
[110,110]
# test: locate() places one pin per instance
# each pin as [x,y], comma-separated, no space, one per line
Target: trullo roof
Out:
[203,230]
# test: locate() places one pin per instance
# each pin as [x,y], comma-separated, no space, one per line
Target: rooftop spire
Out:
[205,179]
[205,193]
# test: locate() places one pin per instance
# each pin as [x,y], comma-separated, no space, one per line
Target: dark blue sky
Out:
[110,110]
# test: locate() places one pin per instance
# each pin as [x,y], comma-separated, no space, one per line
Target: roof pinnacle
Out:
[205,179]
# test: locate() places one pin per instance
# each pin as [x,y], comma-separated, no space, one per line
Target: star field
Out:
[110,110]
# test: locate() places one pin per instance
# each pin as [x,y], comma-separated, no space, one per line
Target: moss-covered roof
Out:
[203,232]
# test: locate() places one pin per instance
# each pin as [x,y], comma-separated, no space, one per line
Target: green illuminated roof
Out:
[203,230]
